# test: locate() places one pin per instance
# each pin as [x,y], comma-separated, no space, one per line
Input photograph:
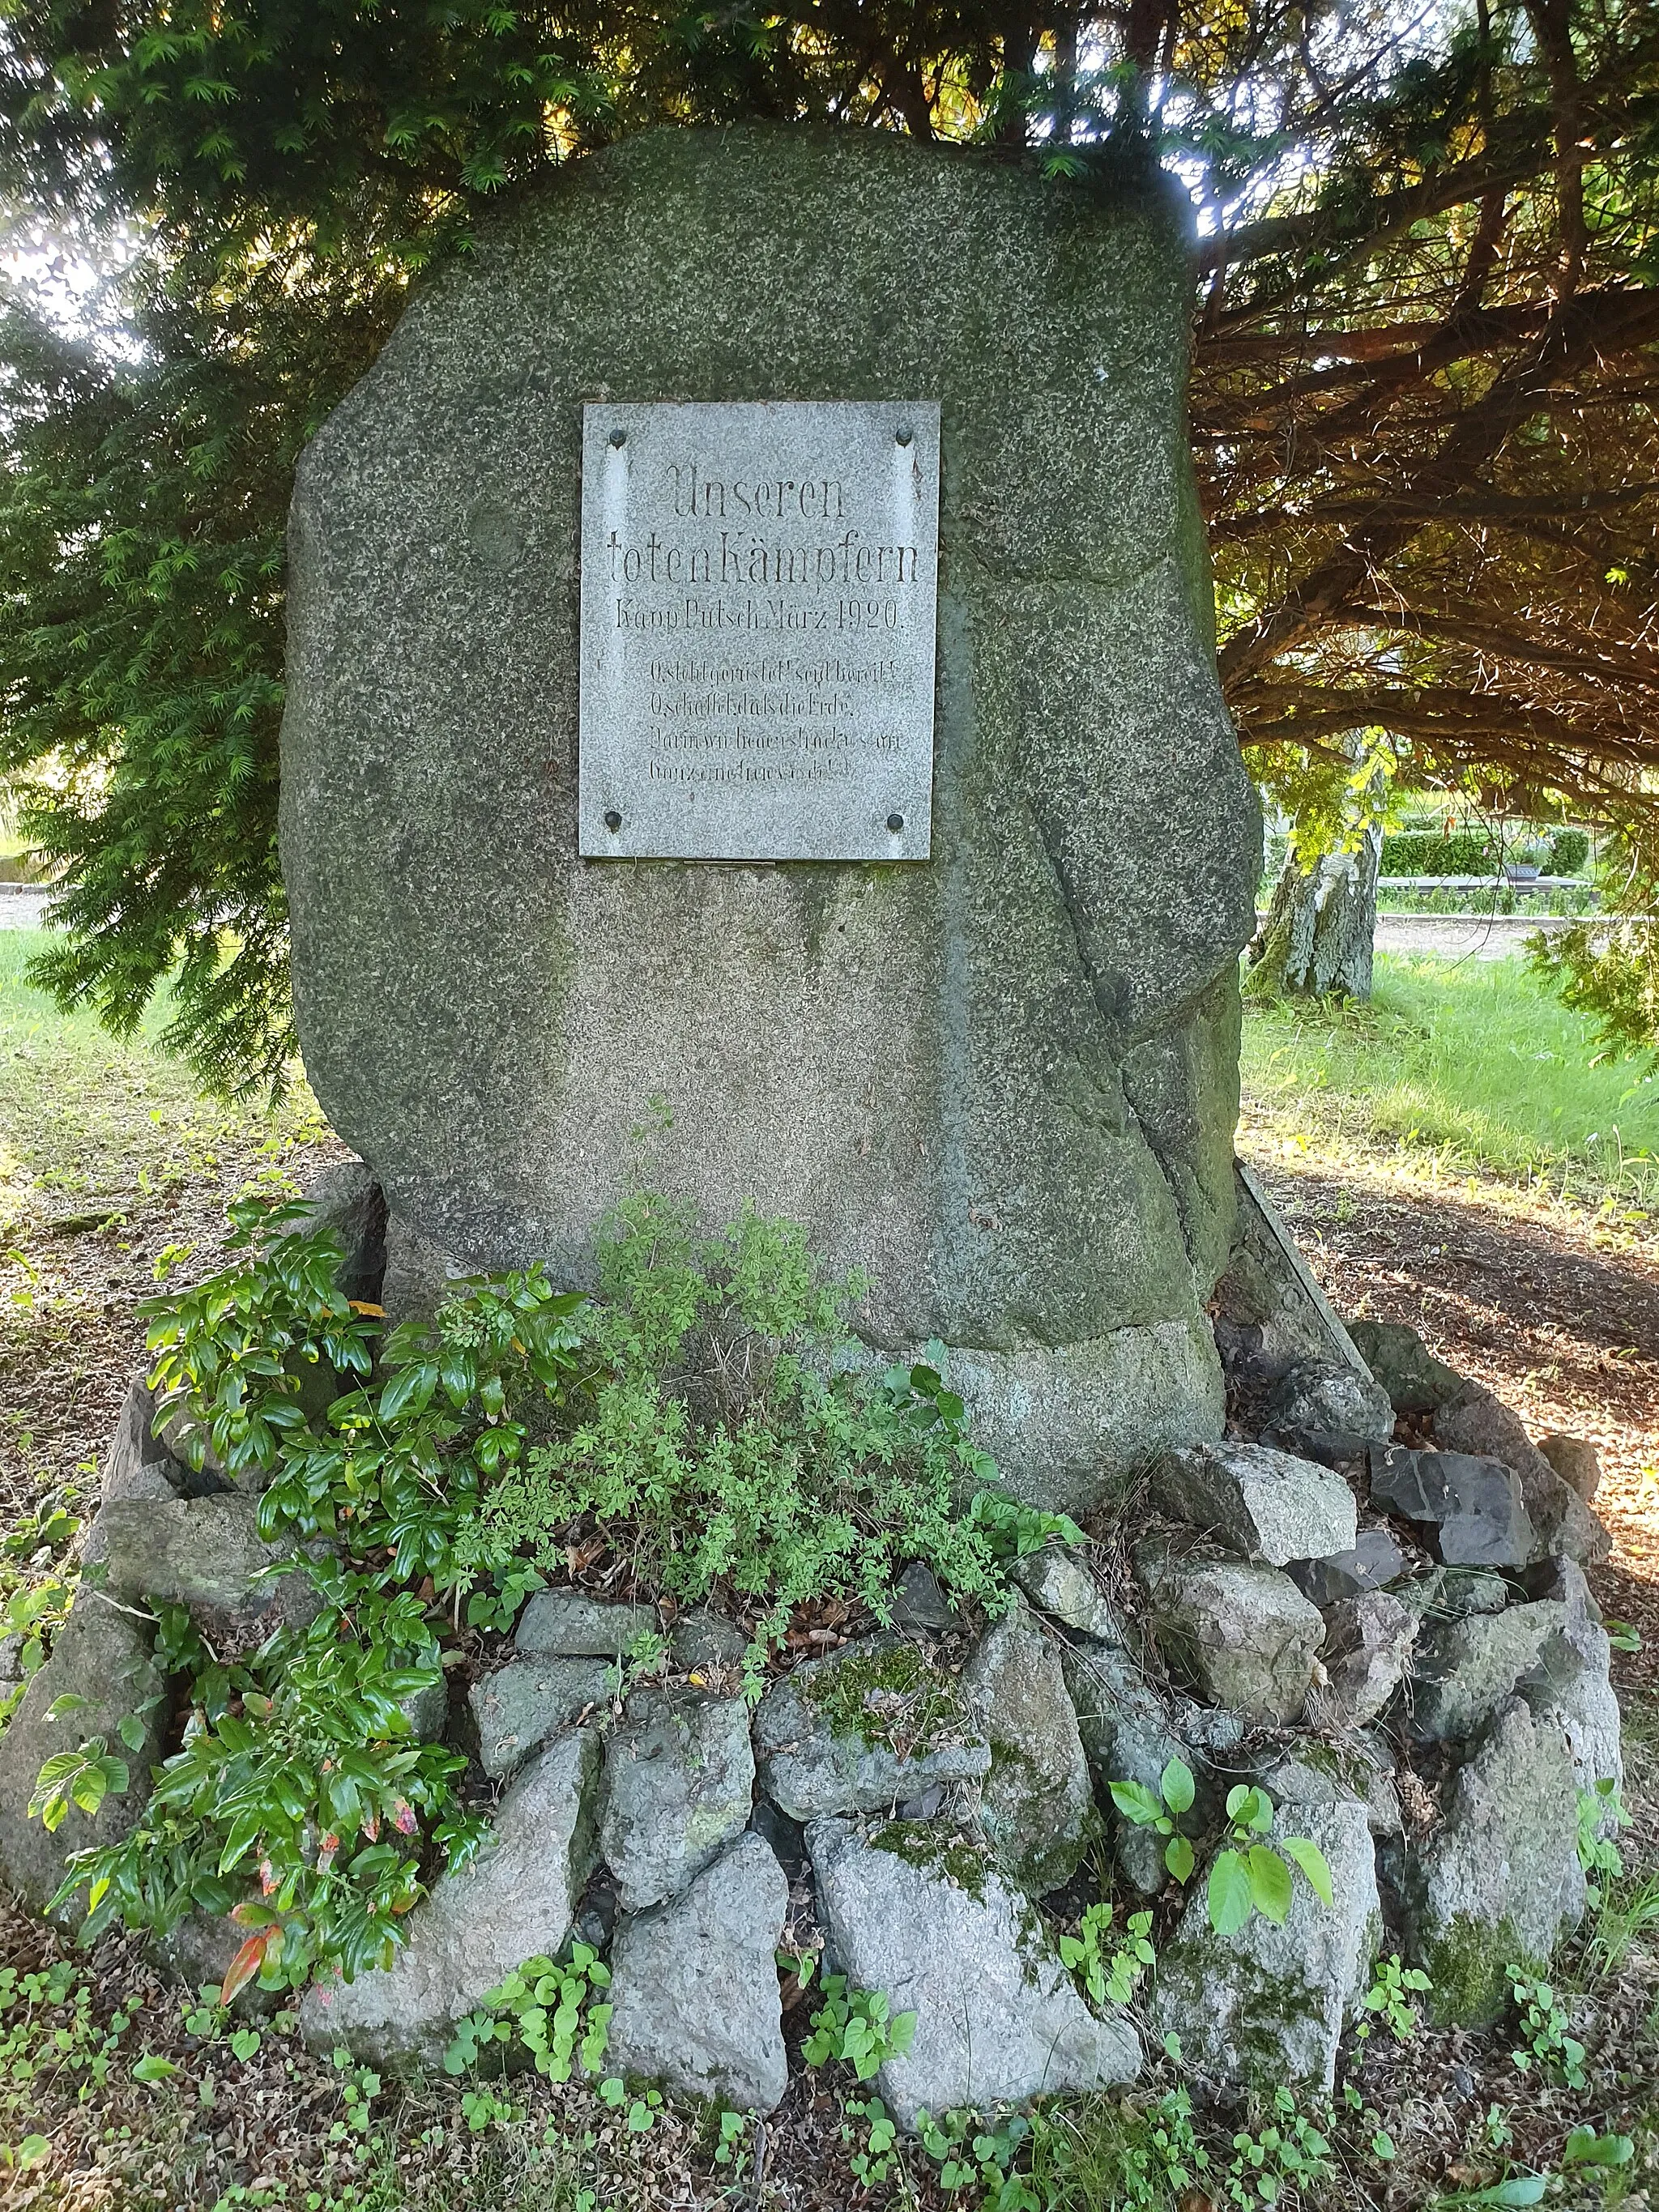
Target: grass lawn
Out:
[1457,1069]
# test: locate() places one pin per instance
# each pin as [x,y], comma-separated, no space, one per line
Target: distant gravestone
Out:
[919,918]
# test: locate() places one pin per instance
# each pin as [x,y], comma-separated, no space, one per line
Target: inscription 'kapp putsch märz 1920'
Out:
[759,591]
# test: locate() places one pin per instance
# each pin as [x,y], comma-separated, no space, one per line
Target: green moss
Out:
[1468,1962]
[891,1699]
[921,1844]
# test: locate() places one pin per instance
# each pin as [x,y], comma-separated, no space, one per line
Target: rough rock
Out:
[695,1985]
[1127,1736]
[492,1058]
[1477,1422]
[203,1552]
[1244,1636]
[1262,1504]
[105,1656]
[427,1711]
[680,1784]
[199,1950]
[346,1199]
[1333,1409]
[862,1731]
[1415,1380]
[998,2019]
[1471,1510]
[1374,1561]
[136,1463]
[517,1899]
[1499,1879]
[569,1625]
[1036,1803]
[1267,2005]
[1271,1311]
[703,1639]
[918,1605]
[1571,1686]
[523,1703]
[1578,1463]
[1363,1768]
[1060,1583]
[1465,1669]
[420,1273]
[1368,1648]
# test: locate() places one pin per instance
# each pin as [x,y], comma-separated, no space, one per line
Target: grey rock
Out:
[1036,1803]
[200,1952]
[916,1730]
[427,1711]
[1466,1669]
[1060,1583]
[1020,985]
[1374,1561]
[695,1985]
[1127,1736]
[137,1463]
[704,1639]
[998,2020]
[1476,1421]
[1261,1504]
[1267,2005]
[1470,1510]
[347,1201]
[680,1784]
[203,1552]
[1244,1636]
[105,1656]
[1578,1463]
[528,1700]
[1416,1381]
[1332,1407]
[1363,1769]
[1499,1880]
[517,1899]
[919,1604]
[570,1625]
[420,1273]
[1271,1309]
[1368,1648]
[11,1658]
[1571,1686]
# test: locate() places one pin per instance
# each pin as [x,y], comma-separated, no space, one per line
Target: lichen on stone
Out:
[934,1850]
[891,1699]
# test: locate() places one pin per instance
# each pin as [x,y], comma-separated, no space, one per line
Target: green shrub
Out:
[706,1415]
[1569,850]
[1458,853]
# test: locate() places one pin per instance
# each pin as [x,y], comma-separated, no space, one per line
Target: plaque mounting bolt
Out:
[612,819]
[903,433]
[895,823]
[619,437]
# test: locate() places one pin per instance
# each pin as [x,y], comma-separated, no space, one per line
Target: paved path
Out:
[1456,936]
[20,908]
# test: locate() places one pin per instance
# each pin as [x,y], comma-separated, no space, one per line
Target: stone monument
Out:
[753,730]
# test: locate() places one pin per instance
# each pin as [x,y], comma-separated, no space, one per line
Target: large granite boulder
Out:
[1002,1080]
[997,2018]
[515,1900]
[695,1985]
[1267,2004]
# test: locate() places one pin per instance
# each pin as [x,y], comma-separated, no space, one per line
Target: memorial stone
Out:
[989,1055]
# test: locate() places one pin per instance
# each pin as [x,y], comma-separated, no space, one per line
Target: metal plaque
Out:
[759,586]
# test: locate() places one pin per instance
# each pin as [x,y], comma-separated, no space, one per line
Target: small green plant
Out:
[548,2011]
[1249,1875]
[858,2027]
[1288,2153]
[1601,1815]
[1389,1999]
[1104,2151]
[49,2035]
[1550,2045]
[876,2157]
[1108,1978]
[973,2153]
[81,1778]
[1585,2147]
[1162,1812]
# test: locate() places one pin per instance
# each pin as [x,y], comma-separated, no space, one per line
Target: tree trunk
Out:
[1316,940]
